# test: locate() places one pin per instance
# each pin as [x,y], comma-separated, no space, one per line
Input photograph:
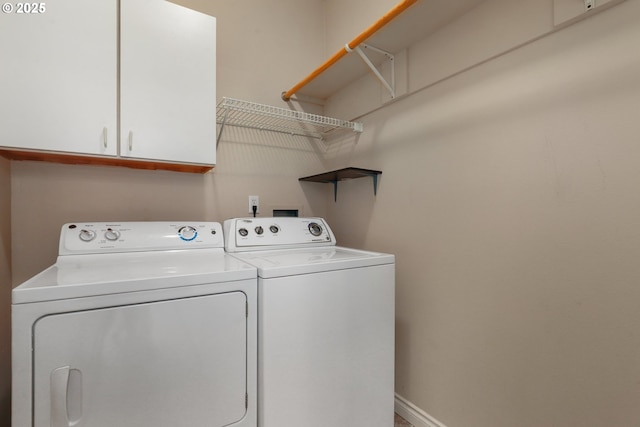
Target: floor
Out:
[400,422]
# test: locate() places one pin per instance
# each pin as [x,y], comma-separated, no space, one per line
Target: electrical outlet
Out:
[589,4]
[254,201]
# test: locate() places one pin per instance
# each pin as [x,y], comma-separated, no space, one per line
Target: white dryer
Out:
[138,324]
[325,324]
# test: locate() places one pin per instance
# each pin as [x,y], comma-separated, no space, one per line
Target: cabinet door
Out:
[163,364]
[167,82]
[58,76]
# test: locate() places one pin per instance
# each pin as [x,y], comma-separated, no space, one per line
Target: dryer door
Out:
[169,363]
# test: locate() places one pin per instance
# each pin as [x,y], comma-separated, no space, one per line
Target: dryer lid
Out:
[116,273]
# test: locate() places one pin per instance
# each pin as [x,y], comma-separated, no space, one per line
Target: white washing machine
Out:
[325,324]
[138,324]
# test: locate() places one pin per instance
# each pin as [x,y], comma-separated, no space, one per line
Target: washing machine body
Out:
[136,324]
[325,324]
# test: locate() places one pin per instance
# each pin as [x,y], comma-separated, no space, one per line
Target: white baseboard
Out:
[413,414]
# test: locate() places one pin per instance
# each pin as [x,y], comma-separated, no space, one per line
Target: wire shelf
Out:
[234,112]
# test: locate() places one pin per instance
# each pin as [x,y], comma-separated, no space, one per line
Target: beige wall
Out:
[510,196]
[5,291]
[347,19]
[264,47]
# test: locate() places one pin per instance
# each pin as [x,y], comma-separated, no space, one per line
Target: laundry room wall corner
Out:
[5,292]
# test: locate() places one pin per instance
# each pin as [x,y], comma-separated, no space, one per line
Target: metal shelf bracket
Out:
[390,86]
[384,20]
[222,123]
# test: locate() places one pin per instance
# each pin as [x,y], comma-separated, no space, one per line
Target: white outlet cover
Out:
[254,200]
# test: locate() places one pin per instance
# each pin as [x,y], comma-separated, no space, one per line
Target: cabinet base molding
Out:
[71,159]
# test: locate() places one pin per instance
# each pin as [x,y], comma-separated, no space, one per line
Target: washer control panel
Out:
[246,234]
[98,237]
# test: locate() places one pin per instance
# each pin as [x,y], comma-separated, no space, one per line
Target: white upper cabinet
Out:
[167,82]
[64,79]
[58,77]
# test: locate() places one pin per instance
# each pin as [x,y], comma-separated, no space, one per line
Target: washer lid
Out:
[75,276]
[289,262]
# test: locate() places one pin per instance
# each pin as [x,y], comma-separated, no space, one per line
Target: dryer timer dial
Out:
[187,233]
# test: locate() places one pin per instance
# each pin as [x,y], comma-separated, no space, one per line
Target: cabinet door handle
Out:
[104,137]
[130,140]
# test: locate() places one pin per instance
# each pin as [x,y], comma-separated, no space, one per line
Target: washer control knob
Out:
[315,229]
[111,234]
[187,233]
[87,235]
[274,229]
[259,230]
[243,232]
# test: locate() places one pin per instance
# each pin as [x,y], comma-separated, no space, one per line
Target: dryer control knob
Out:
[259,230]
[187,233]
[87,235]
[315,229]
[111,234]
[243,232]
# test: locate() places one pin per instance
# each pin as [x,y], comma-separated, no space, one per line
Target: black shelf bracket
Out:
[336,176]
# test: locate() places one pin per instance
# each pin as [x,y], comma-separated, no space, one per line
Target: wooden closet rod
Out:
[386,18]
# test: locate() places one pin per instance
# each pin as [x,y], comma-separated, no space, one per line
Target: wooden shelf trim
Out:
[75,159]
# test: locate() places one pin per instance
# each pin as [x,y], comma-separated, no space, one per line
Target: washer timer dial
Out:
[315,229]
[111,234]
[87,235]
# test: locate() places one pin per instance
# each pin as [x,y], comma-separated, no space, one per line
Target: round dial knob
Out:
[259,230]
[87,235]
[315,229]
[187,233]
[111,234]
[274,229]
[243,232]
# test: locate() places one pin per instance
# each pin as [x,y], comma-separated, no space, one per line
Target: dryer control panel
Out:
[252,234]
[103,237]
